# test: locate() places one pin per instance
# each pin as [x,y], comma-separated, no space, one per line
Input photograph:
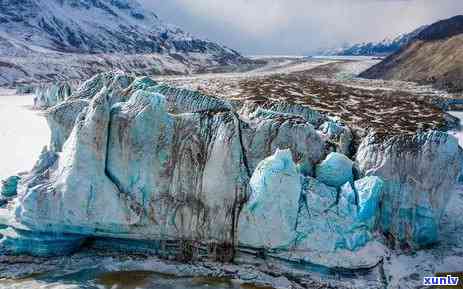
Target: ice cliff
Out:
[50,95]
[419,173]
[134,159]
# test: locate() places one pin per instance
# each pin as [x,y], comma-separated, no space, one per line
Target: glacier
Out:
[133,159]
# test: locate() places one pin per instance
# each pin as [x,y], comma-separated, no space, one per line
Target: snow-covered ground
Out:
[23,133]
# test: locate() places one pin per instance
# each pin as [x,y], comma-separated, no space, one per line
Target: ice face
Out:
[289,211]
[80,186]
[369,191]
[131,169]
[419,171]
[327,223]
[270,216]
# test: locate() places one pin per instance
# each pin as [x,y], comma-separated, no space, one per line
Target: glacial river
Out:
[91,279]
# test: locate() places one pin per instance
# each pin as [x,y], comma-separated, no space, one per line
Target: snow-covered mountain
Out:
[382,48]
[69,29]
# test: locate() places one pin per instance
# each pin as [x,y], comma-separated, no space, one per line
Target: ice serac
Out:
[184,100]
[305,220]
[311,116]
[337,231]
[420,172]
[338,135]
[48,96]
[116,81]
[266,131]
[335,170]
[61,119]
[269,218]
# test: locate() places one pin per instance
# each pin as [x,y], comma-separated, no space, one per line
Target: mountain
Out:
[382,48]
[435,56]
[81,33]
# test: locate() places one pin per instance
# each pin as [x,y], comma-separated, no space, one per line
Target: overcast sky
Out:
[300,26]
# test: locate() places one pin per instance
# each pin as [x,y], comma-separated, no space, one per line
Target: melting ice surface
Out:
[23,133]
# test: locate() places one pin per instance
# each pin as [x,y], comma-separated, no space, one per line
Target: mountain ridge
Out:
[435,57]
[75,26]
[35,30]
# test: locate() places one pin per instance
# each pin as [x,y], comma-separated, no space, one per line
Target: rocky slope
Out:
[433,57]
[45,40]
[134,159]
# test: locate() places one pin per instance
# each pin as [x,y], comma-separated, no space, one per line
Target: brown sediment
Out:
[387,112]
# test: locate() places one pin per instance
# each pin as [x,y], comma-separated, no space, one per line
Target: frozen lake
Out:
[23,133]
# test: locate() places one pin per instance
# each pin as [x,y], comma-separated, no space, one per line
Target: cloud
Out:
[300,26]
